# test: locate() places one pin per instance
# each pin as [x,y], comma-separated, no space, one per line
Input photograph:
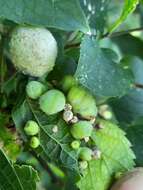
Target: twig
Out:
[122,32]
[76,45]
[138,85]
[112,35]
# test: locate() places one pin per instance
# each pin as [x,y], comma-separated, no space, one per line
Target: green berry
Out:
[35,89]
[104,111]
[82,102]
[52,102]
[33,50]
[81,129]
[85,154]
[75,144]
[68,82]
[31,128]
[107,115]
[83,165]
[34,142]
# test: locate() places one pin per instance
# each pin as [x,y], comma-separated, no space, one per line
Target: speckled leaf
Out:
[129,7]
[96,12]
[99,73]
[116,157]
[49,13]
[56,146]
[14,177]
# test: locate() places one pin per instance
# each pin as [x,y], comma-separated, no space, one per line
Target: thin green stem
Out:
[120,33]
[108,35]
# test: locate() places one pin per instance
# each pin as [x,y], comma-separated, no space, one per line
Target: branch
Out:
[115,34]
[122,32]
[76,45]
[138,85]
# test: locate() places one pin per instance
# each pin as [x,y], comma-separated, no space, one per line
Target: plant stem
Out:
[115,34]
[120,33]
[139,85]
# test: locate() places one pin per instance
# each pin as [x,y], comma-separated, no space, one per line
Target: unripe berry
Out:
[31,128]
[81,129]
[83,165]
[34,142]
[68,82]
[82,102]
[75,144]
[52,102]
[35,89]
[85,154]
[33,50]
[132,180]
[107,115]
[104,111]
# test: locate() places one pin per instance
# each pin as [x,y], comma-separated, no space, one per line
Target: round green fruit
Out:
[31,128]
[52,102]
[85,154]
[107,115]
[34,142]
[35,89]
[68,82]
[82,102]
[75,144]
[81,129]
[105,112]
[132,180]
[33,50]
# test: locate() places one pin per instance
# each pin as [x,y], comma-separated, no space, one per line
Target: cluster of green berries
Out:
[32,129]
[33,51]
[78,108]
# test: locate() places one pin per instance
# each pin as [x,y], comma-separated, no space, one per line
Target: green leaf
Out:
[135,135]
[27,176]
[56,146]
[99,73]
[11,177]
[129,7]
[96,12]
[116,156]
[130,107]
[66,15]
[129,45]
